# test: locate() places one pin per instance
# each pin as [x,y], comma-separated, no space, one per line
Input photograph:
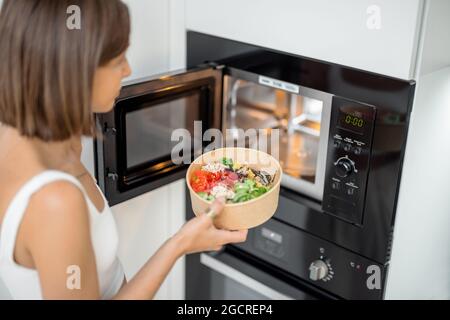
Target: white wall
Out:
[330,30]
[436,46]
[420,263]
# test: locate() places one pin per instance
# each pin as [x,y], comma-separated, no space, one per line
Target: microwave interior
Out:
[301,120]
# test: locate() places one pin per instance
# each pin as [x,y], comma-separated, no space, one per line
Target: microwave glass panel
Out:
[149,129]
[250,105]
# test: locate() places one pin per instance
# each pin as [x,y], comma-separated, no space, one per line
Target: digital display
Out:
[352,119]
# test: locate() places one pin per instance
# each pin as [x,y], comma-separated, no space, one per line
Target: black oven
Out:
[344,130]
[232,275]
[281,261]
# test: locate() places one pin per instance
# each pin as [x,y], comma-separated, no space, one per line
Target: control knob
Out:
[344,167]
[318,270]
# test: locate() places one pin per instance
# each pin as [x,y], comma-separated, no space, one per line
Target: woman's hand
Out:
[200,234]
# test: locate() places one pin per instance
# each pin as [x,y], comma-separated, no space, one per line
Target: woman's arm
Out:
[199,234]
[56,235]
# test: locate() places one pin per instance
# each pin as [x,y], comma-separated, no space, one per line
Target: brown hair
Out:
[47,70]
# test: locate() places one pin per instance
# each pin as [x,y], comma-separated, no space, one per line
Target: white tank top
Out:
[23,283]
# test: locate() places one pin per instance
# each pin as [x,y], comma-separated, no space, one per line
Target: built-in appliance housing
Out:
[345,130]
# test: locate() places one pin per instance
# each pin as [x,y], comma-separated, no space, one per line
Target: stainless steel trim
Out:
[132,81]
[241,278]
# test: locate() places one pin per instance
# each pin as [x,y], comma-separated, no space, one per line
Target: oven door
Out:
[151,119]
[234,275]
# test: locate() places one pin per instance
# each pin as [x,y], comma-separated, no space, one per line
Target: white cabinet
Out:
[420,261]
[157,36]
[149,42]
[381,38]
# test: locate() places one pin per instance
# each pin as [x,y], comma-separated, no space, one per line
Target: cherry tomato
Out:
[204,180]
[214,176]
[199,181]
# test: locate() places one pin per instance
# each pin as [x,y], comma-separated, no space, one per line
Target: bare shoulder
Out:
[58,207]
[58,197]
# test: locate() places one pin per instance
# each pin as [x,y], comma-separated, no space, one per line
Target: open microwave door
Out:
[150,118]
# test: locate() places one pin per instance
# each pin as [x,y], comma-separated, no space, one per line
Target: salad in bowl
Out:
[232,180]
[248,179]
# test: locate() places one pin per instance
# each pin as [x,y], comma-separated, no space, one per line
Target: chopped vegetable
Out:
[232,180]
[205,196]
[227,162]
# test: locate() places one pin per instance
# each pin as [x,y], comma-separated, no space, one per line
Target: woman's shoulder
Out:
[54,201]
[36,186]
[55,213]
[59,205]
[57,195]
[61,198]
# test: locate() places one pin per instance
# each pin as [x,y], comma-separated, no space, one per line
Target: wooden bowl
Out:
[248,214]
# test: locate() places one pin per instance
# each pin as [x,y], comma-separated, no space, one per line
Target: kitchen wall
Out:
[420,262]
[379,36]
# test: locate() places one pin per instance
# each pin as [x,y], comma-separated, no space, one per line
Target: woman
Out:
[58,239]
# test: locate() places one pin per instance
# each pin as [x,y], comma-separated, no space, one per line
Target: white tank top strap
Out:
[18,206]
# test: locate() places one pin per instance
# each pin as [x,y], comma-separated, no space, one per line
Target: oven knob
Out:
[318,270]
[344,167]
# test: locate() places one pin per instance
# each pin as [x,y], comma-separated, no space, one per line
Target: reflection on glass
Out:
[224,288]
[149,129]
[298,117]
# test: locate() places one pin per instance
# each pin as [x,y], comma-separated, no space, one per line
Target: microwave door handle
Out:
[241,278]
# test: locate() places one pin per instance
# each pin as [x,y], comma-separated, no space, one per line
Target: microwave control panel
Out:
[349,148]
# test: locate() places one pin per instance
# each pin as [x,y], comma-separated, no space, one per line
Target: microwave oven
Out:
[341,133]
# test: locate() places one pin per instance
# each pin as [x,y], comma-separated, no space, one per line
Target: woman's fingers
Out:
[216,207]
[233,236]
[223,236]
